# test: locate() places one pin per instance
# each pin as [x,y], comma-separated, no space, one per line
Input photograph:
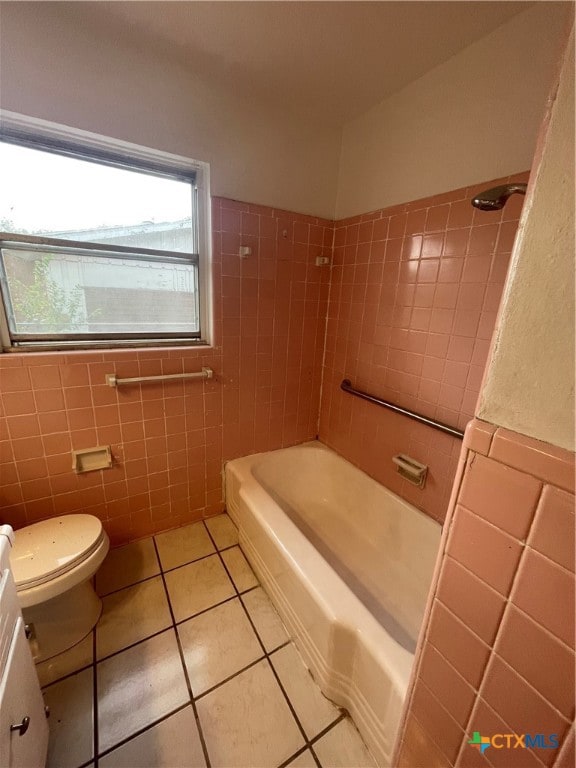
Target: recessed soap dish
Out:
[90,459]
[410,469]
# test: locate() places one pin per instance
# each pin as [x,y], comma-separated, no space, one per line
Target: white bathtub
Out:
[348,565]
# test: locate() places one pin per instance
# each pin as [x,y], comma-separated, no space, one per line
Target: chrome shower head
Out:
[494,199]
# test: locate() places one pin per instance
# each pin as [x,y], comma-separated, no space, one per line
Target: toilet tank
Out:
[23,725]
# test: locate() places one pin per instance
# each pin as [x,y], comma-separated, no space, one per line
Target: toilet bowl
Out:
[53,563]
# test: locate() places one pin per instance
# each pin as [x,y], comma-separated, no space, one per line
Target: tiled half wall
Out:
[413,300]
[169,440]
[413,297]
[498,649]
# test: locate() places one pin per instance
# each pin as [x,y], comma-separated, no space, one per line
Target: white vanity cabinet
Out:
[23,725]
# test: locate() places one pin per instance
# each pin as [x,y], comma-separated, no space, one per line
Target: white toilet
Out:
[53,563]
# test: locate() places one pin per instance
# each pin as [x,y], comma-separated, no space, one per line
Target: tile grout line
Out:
[68,675]
[266,657]
[183,662]
[500,626]
[165,570]
[142,730]
[308,742]
[93,762]
[95,697]
[149,637]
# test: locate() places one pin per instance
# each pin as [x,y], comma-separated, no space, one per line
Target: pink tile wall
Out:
[169,440]
[413,301]
[498,651]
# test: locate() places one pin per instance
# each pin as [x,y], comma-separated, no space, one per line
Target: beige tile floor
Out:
[190,666]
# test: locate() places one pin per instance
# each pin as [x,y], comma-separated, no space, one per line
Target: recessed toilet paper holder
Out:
[410,469]
[90,459]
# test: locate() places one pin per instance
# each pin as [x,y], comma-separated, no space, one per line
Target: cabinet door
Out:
[20,697]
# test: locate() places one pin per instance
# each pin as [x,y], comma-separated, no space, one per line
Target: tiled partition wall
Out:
[413,300]
[498,649]
[169,440]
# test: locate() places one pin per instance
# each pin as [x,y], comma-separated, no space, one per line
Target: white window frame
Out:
[12,123]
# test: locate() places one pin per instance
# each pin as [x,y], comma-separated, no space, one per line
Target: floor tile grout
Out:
[184,667]
[267,657]
[230,677]
[68,675]
[309,742]
[154,634]
[140,731]
[95,694]
[162,570]
[127,586]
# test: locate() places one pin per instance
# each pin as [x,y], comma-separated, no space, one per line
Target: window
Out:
[101,244]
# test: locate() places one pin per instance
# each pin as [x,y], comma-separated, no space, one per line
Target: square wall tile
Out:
[137,687]
[541,659]
[174,742]
[478,436]
[469,598]
[197,586]
[418,749]
[486,721]
[446,684]
[553,531]
[545,591]
[502,495]
[217,644]
[247,722]
[567,754]
[488,552]
[519,705]
[552,465]
[464,650]
[437,722]
[183,545]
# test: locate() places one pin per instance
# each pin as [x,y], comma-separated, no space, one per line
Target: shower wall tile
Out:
[553,530]
[461,591]
[487,722]
[169,440]
[520,613]
[545,591]
[407,317]
[547,462]
[446,731]
[413,300]
[457,696]
[501,495]
[522,643]
[525,710]
[420,749]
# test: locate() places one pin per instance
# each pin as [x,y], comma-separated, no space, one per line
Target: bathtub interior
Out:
[383,548]
[353,657]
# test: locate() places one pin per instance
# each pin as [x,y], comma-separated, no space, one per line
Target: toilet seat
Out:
[46,550]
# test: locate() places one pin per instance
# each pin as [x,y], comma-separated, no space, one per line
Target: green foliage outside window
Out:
[43,306]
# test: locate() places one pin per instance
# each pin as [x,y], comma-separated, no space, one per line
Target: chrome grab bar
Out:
[113,381]
[346,385]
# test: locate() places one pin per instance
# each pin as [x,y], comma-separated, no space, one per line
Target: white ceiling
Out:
[328,61]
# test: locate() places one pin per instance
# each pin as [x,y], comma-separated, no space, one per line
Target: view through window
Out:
[96,249]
